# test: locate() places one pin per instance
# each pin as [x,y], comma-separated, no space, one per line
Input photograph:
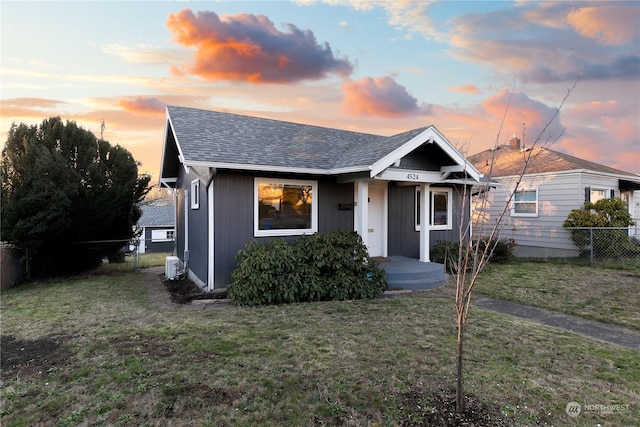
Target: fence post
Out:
[591,245]
[136,263]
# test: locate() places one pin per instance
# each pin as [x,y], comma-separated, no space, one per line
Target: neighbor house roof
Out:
[157,216]
[224,140]
[509,161]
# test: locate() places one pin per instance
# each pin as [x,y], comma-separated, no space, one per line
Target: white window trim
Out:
[161,235]
[524,215]
[195,194]
[449,193]
[285,232]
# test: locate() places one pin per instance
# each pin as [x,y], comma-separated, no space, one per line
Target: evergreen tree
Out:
[61,188]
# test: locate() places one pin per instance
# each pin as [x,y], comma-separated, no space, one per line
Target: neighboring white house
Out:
[554,184]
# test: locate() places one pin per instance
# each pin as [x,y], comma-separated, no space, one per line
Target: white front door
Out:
[376,230]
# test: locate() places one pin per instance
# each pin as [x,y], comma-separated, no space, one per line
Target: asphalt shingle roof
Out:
[225,138]
[157,216]
[509,161]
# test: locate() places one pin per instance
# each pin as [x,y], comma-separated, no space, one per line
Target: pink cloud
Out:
[250,48]
[468,88]
[524,111]
[143,105]
[380,96]
[613,24]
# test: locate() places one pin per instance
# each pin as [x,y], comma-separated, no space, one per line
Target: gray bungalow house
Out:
[239,178]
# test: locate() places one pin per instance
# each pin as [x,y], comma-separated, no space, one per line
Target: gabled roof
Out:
[231,141]
[157,216]
[509,161]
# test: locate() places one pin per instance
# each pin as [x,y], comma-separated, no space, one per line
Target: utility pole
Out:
[102,126]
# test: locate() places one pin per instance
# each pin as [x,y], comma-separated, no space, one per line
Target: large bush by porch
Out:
[318,267]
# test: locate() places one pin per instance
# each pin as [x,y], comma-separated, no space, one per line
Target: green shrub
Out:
[332,266]
[502,250]
[445,252]
[609,238]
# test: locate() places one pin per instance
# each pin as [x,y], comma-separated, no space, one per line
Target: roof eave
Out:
[258,167]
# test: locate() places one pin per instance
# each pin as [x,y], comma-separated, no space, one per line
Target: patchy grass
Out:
[143,261]
[606,295]
[114,359]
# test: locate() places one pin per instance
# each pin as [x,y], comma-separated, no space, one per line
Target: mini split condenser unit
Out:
[171,267]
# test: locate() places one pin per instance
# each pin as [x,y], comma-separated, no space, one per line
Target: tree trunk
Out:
[459,385]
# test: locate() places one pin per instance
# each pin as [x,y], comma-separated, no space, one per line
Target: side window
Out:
[525,203]
[440,217]
[195,194]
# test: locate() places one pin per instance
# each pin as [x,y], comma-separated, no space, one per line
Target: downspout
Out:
[210,230]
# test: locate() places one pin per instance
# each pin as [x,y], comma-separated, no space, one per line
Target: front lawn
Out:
[606,295]
[103,354]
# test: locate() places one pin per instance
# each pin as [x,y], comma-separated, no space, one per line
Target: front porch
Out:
[409,273]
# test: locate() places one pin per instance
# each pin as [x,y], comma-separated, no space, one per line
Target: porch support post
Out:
[363,211]
[425,209]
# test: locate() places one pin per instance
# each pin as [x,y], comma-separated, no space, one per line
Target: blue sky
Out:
[378,67]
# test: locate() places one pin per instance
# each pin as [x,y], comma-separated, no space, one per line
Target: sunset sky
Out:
[375,67]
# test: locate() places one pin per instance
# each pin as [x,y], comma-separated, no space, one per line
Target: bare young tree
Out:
[474,252]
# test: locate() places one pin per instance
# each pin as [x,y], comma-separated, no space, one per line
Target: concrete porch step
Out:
[409,273]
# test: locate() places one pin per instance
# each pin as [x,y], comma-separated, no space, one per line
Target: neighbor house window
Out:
[525,203]
[440,217]
[161,235]
[195,194]
[598,194]
[285,207]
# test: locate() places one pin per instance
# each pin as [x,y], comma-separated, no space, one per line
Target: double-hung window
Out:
[440,217]
[285,207]
[525,203]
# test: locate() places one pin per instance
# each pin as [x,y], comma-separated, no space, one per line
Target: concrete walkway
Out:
[589,328]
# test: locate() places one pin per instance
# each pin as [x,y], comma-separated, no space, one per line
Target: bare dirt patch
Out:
[31,358]
[437,408]
[184,291]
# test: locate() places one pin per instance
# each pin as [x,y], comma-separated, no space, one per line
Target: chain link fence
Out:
[16,262]
[606,246]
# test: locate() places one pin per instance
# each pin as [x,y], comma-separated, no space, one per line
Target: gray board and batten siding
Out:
[234,214]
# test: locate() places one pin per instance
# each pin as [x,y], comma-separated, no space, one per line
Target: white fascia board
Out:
[402,151]
[164,140]
[429,135]
[573,172]
[353,169]
[175,138]
[455,154]
[260,168]
[194,165]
